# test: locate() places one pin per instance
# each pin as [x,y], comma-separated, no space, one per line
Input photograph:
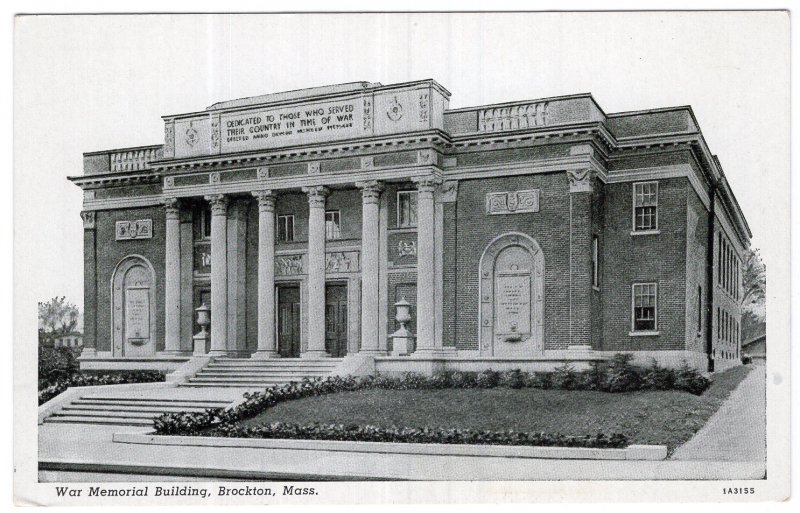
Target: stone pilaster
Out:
[316,272]
[219,274]
[267,347]
[370,265]
[580,252]
[89,285]
[426,266]
[172,277]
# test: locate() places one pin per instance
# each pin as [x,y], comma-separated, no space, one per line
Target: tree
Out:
[57,317]
[754,283]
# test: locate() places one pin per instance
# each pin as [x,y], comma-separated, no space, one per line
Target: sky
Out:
[86,83]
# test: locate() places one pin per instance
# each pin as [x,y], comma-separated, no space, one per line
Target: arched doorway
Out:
[511,297]
[133,308]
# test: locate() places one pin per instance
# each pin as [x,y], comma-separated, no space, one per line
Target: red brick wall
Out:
[470,230]
[629,259]
[110,252]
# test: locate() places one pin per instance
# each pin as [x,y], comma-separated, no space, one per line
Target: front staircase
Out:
[124,411]
[253,373]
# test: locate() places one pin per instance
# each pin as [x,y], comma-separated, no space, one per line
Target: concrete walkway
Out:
[737,432]
[90,450]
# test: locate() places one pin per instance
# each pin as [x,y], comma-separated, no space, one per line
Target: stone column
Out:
[89,285]
[316,272]
[426,266]
[370,265]
[172,277]
[219,274]
[266,275]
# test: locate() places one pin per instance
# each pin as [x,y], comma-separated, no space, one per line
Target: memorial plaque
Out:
[513,305]
[137,314]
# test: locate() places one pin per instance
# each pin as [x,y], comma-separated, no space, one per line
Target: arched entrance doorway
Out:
[511,297]
[133,308]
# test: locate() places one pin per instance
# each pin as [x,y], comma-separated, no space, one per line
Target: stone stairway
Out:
[250,373]
[124,411]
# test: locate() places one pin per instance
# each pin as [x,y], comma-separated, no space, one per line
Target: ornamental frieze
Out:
[289,265]
[512,202]
[130,230]
[341,262]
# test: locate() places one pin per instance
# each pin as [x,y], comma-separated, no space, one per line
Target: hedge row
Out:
[83,380]
[368,433]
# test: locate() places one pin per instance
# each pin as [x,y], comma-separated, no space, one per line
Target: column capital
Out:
[219,204]
[317,195]
[266,200]
[427,183]
[172,208]
[370,190]
[580,180]
[88,217]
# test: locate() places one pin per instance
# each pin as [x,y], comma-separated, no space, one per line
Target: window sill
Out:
[645,232]
[644,333]
[595,288]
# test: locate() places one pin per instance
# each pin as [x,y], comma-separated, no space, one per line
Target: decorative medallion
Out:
[262,172]
[130,230]
[313,168]
[367,162]
[213,177]
[406,248]
[169,181]
[191,134]
[424,104]
[512,202]
[395,111]
[215,133]
[169,140]
[367,113]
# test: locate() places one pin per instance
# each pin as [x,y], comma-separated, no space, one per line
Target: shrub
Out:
[690,380]
[622,375]
[594,378]
[512,379]
[463,379]
[658,378]
[487,379]
[565,377]
[84,380]
[57,364]
[368,433]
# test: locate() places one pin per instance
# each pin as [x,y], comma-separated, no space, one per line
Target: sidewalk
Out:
[90,449]
[737,432]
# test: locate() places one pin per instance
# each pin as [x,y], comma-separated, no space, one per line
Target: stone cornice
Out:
[115,179]
[413,140]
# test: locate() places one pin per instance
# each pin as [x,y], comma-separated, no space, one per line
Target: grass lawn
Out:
[649,417]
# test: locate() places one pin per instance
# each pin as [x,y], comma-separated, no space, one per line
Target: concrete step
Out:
[106,414]
[270,365]
[224,384]
[82,419]
[133,408]
[145,400]
[283,375]
[114,404]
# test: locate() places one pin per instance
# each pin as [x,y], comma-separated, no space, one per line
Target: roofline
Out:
[115,150]
[534,100]
[316,98]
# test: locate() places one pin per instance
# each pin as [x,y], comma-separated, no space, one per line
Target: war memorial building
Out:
[517,235]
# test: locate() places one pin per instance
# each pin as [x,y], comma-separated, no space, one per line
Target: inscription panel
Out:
[513,306]
[137,315]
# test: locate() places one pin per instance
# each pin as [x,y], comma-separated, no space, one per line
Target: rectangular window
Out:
[644,306]
[285,228]
[595,261]
[332,225]
[406,209]
[645,206]
[699,310]
[202,230]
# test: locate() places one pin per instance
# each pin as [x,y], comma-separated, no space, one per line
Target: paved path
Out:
[90,450]
[737,432]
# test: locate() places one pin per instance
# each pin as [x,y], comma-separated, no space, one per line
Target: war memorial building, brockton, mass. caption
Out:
[366,228]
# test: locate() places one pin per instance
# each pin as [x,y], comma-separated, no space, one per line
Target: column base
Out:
[219,353]
[175,352]
[371,352]
[264,355]
[312,355]
[88,352]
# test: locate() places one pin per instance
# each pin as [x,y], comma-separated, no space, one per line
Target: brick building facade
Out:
[522,235]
